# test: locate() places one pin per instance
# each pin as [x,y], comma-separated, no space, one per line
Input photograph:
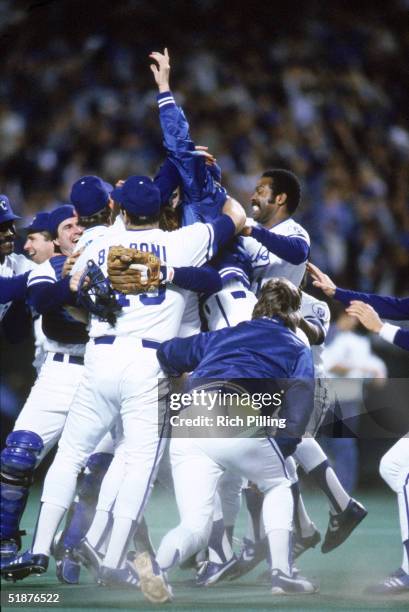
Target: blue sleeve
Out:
[293,249]
[388,307]
[175,128]
[402,339]
[16,323]
[182,354]
[298,403]
[202,280]
[13,288]
[224,230]
[199,183]
[167,179]
[44,297]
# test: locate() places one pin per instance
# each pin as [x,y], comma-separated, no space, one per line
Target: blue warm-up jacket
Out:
[259,349]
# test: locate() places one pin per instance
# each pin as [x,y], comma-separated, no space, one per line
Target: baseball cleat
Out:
[125,577]
[89,557]
[281,584]
[266,576]
[68,568]
[24,565]
[341,525]
[8,552]
[396,583]
[251,554]
[211,572]
[300,544]
[153,582]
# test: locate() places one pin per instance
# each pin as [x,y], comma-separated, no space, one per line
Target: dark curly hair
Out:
[279,298]
[284,181]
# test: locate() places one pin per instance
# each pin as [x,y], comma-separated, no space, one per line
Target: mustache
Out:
[7,240]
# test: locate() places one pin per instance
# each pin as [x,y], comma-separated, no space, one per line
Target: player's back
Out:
[157,315]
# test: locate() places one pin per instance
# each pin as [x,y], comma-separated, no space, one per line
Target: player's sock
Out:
[279,544]
[302,521]
[254,502]
[325,477]
[122,529]
[278,509]
[405,559]
[47,525]
[88,490]
[220,550]
[99,527]
[142,540]
[229,532]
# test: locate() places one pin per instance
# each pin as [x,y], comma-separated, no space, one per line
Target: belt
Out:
[111,339]
[70,358]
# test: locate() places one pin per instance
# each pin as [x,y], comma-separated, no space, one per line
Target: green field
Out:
[371,552]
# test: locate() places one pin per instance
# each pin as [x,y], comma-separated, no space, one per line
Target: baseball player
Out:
[14,316]
[122,371]
[42,418]
[39,247]
[231,301]
[278,246]
[91,197]
[202,197]
[394,466]
[263,347]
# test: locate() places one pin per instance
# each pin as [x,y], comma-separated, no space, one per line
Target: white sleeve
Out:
[23,264]
[88,253]
[191,245]
[322,312]
[44,273]
[388,332]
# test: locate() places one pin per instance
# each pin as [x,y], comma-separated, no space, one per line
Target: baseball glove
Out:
[96,295]
[133,271]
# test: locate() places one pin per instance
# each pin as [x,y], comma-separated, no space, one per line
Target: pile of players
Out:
[97,387]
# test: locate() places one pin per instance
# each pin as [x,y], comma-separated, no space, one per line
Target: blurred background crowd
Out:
[320,88]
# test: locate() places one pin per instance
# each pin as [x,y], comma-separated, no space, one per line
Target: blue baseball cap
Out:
[90,195]
[58,215]
[138,195]
[39,223]
[6,212]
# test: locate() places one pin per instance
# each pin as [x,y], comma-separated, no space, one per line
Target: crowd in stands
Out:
[320,91]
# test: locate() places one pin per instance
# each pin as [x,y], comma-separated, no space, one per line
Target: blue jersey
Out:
[233,263]
[203,197]
[258,349]
[49,294]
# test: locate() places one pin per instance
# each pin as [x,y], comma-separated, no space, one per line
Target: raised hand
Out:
[365,315]
[161,69]
[321,280]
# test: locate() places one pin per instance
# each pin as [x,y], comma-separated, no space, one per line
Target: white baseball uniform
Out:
[47,405]
[122,371]
[266,265]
